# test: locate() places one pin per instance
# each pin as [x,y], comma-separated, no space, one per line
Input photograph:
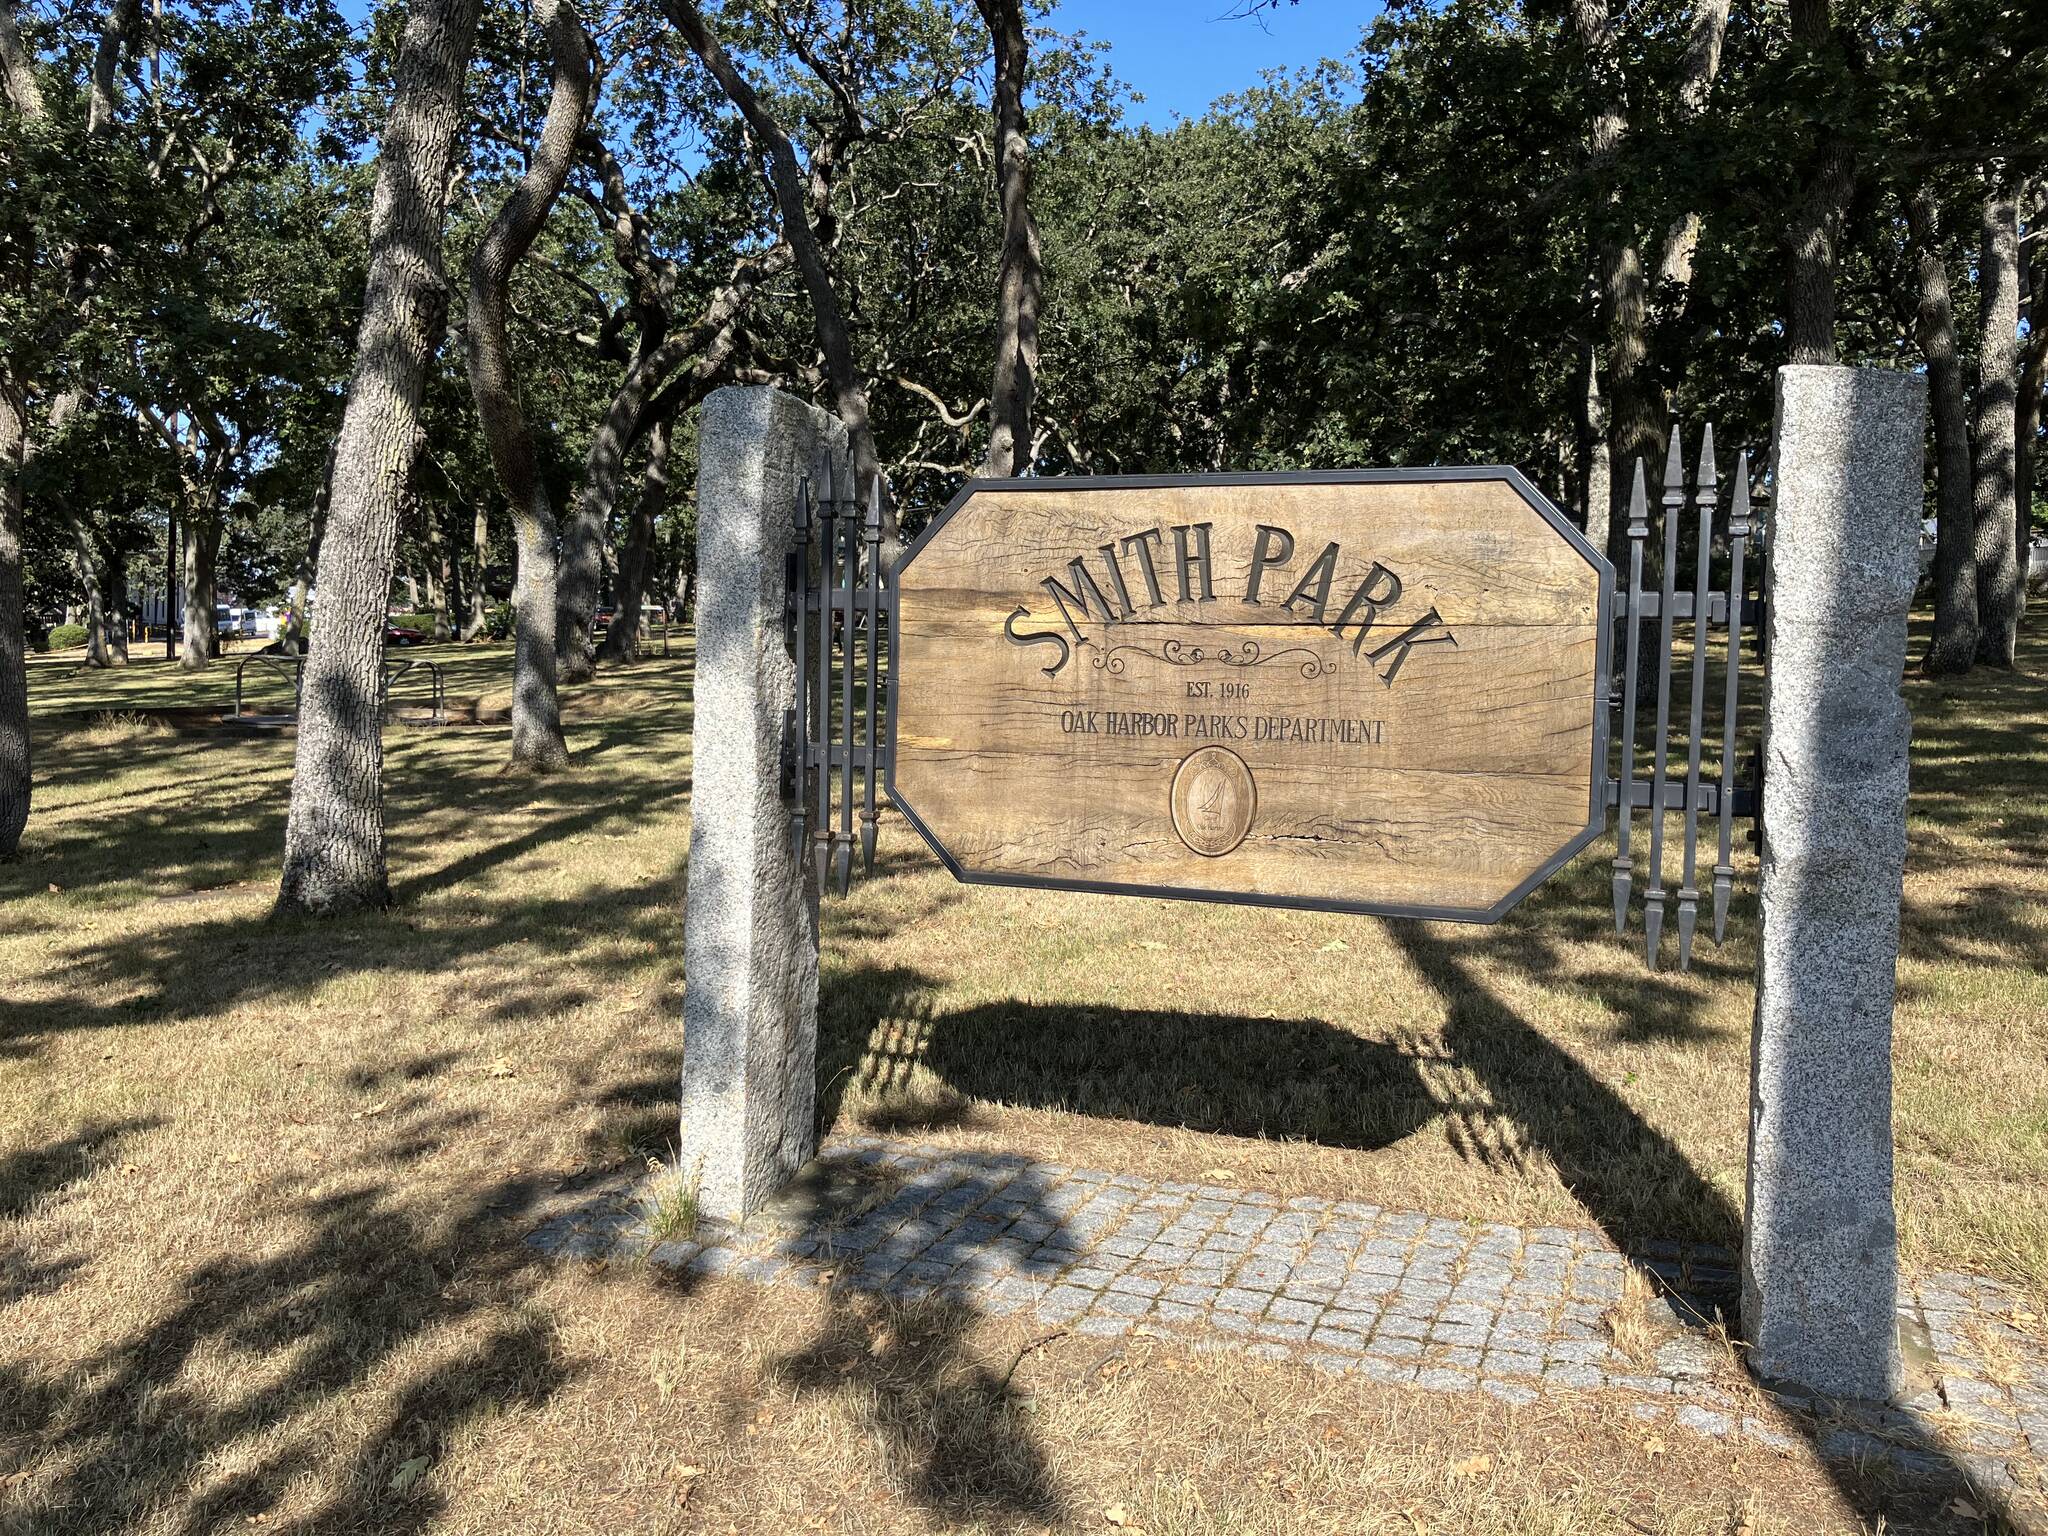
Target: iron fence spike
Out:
[1674,503]
[1653,925]
[1731,694]
[1674,466]
[1696,697]
[1638,531]
[867,845]
[843,859]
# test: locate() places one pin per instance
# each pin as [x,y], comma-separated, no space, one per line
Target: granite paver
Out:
[1391,1296]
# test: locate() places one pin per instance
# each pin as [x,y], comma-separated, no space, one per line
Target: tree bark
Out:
[1954,646]
[1695,86]
[1811,239]
[201,553]
[622,640]
[292,638]
[85,565]
[1023,270]
[17,75]
[479,594]
[334,836]
[536,708]
[2033,287]
[636,403]
[440,575]
[114,595]
[849,396]
[1599,474]
[14,747]
[1993,465]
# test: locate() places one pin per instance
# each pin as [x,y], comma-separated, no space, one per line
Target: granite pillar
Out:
[1820,1245]
[750,924]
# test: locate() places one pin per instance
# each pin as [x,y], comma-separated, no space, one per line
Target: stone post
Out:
[1820,1245]
[750,915]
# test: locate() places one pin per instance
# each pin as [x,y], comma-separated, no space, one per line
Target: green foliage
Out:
[1384,259]
[67,637]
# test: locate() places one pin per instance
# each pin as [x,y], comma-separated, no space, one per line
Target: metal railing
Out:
[838,610]
[1690,794]
[395,668]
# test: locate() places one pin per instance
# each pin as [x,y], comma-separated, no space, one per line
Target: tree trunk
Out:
[622,640]
[2033,282]
[1954,646]
[479,594]
[114,591]
[1023,271]
[14,751]
[292,638]
[849,396]
[1816,223]
[202,623]
[334,837]
[536,709]
[438,574]
[1635,420]
[589,529]
[1993,455]
[1599,473]
[85,564]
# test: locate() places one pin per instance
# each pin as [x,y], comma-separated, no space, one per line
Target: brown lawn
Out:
[262,1184]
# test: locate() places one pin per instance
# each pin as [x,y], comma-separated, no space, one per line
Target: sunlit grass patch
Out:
[263,1183]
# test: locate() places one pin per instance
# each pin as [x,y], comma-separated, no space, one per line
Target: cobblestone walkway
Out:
[1348,1287]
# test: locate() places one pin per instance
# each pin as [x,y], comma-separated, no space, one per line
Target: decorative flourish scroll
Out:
[1249,653]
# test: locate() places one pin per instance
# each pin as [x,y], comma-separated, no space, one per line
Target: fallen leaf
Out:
[1150,944]
[408,1473]
[1119,1517]
[1414,1519]
[1334,947]
[1654,1446]
[127,1167]
[2024,1318]
[377,1108]
[1215,1173]
[55,887]
[500,1068]
[1472,1466]
[1966,1509]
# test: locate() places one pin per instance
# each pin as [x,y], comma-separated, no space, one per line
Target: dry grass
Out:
[261,1183]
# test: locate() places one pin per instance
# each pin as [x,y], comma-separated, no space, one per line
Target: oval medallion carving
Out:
[1213,800]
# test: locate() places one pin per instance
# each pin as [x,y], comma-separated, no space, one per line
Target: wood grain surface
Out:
[1059,705]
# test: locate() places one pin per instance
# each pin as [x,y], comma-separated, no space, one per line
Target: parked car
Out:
[398,634]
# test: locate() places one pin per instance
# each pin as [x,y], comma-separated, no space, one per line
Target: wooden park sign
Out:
[1379,691]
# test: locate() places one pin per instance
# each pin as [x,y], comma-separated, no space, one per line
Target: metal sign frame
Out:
[1596,809]
[846,606]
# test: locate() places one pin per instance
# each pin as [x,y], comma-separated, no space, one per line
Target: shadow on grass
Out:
[956,1436]
[1228,1074]
[146,1427]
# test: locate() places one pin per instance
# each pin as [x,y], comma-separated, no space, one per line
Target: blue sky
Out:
[1181,55]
